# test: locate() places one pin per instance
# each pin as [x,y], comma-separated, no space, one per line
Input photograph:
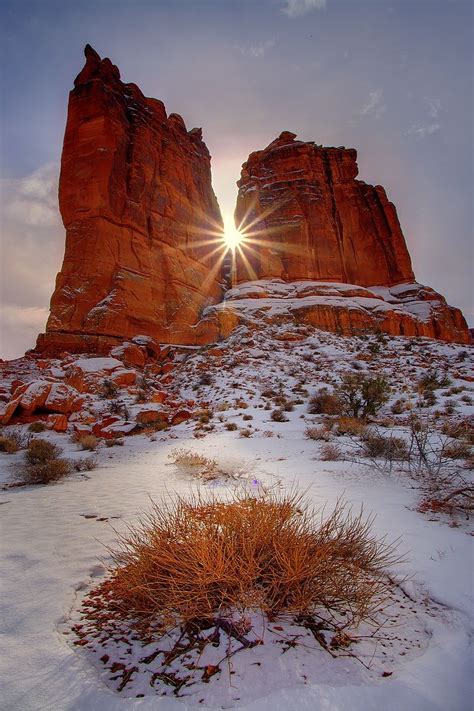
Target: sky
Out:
[391,78]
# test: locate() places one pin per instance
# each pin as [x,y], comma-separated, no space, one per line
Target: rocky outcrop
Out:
[141,217]
[312,219]
[401,310]
[306,217]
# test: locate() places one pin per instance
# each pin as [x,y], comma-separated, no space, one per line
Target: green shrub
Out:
[362,395]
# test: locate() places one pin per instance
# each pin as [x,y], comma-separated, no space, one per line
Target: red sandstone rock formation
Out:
[136,199]
[313,220]
[306,217]
[142,256]
[402,310]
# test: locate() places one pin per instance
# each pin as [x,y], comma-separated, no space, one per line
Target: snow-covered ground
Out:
[54,538]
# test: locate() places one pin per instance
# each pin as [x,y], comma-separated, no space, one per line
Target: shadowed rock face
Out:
[314,220]
[137,203]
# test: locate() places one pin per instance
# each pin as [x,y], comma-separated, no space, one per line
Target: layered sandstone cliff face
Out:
[313,220]
[307,219]
[137,203]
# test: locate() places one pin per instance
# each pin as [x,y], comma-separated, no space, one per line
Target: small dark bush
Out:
[41,451]
[324,403]
[46,472]
[37,427]
[231,426]
[114,442]
[109,388]
[279,416]
[9,445]
[433,380]
[330,452]
[392,448]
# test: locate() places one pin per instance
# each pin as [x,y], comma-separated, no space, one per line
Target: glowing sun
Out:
[232,236]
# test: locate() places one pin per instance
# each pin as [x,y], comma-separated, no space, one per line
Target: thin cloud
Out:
[375,106]
[33,244]
[297,8]
[423,131]
[33,200]
[257,50]
[434,107]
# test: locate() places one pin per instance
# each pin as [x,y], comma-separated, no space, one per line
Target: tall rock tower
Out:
[141,220]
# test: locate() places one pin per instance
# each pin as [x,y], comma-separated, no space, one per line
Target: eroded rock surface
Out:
[137,203]
[313,220]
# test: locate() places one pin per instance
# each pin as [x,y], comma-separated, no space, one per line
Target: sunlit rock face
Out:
[313,220]
[305,217]
[141,217]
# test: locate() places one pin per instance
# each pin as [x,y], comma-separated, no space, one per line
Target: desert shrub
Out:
[324,402]
[89,442]
[450,406]
[391,448]
[330,452]
[205,379]
[459,429]
[247,417]
[245,432]
[86,464]
[116,407]
[198,465]
[43,465]
[109,388]
[269,392]
[231,426]
[9,444]
[457,450]
[45,472]
[204,416]
[350,426]
[192,561]
[36,427]
[399,406]
[433,380]
[278,416]
[114,442]
[141,396]
[40,451]
[318,433]
[362,396]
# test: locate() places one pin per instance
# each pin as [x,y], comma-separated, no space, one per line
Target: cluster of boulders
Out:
[107,396]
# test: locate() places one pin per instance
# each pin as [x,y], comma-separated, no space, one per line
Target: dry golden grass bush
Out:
[198,465]
[8,444]
[88,442]
[324,402]
[330,452]
[350,426]
[195,560]
[318,432]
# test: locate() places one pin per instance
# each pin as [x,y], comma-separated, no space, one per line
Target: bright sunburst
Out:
[232,237]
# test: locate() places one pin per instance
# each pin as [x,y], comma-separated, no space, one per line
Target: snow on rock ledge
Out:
[409,309]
